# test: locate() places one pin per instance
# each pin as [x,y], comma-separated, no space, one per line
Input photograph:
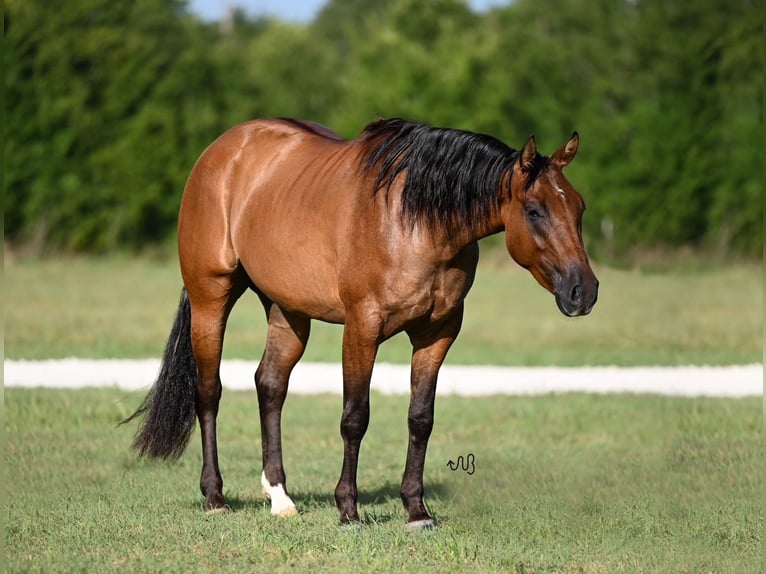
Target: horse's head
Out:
[543,227]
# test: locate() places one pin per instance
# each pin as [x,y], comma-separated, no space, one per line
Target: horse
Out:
[377,233]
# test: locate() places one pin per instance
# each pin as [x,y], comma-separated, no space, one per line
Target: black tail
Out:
[168,410]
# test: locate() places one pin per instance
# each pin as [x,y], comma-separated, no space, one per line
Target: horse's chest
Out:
[424,300]
[449,291]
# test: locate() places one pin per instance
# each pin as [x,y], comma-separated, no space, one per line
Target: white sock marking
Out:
[281,504]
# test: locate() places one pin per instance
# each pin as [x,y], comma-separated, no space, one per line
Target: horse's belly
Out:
[299,282]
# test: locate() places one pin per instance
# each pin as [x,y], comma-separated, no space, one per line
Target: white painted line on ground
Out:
[310,378]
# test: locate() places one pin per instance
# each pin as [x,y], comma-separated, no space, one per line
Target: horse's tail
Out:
[168,410]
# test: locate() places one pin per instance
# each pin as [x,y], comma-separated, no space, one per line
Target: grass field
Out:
[119,307]
[571,483]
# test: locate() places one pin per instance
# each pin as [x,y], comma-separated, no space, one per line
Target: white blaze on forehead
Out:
[281,504]
[555,184]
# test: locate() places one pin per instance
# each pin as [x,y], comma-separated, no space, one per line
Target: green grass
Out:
[569,483]
[118,307]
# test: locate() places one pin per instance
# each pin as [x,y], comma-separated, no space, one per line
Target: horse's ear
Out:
[565,154]
[528,155]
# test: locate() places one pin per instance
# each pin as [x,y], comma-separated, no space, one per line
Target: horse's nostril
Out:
[576,297]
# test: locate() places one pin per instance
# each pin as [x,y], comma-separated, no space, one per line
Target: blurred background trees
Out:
[108,105]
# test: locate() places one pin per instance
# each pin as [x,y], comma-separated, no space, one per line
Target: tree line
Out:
[108,104]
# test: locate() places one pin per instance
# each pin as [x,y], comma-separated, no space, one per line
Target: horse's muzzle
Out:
[576,292]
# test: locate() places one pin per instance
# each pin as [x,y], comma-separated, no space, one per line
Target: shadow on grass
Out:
[370,501]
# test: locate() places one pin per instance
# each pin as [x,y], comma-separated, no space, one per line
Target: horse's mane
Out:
[452,177]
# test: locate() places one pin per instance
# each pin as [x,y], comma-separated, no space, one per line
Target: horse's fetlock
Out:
[411,491]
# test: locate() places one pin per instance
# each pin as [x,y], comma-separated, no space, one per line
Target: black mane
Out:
[453,177]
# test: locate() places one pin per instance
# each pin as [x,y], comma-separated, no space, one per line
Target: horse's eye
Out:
[533,214]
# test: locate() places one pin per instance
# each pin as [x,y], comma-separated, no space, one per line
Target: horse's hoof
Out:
[281,504]
[286,512]
[351,526]
[218,510]
[427,524]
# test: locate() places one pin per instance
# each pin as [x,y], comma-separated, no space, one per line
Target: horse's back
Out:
[272,196]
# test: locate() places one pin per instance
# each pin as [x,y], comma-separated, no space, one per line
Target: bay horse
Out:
[378,233]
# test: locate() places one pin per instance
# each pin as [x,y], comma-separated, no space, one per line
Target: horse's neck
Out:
[451,242]
[477,230]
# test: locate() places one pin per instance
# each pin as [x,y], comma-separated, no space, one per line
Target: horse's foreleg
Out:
[209,312]
[429,350]
[360,345]
[284,346]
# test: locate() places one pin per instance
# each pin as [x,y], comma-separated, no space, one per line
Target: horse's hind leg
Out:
[211,301]
[285,344]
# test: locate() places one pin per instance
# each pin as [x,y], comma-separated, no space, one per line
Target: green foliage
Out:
[108,104]
[98,137]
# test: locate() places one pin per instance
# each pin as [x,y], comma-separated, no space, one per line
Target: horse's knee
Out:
[355,420]
[420,420]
